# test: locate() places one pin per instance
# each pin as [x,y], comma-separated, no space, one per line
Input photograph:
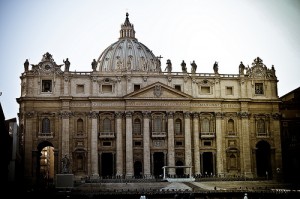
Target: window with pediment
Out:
[106,125]
[137,126]
[205,125]
[46,126]
[261,127]
[79,126]
[178,126]
[232,161]
[158,122]
[259,88]
[230,127]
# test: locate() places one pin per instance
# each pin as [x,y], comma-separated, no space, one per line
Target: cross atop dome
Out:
[127,29]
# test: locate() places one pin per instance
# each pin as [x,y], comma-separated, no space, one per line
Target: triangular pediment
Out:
[157,90]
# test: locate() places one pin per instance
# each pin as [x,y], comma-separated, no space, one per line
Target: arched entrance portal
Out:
[138,169]
[208,166]
[45,163]
[107,164]
[179,171]
[263,159]
[158,160]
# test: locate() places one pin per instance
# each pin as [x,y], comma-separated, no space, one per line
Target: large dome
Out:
[127,54]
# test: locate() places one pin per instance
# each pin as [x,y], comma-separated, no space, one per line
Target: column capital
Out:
[65,114]
[244,114]
[187,114]
[128,113]
[219,115]
[276,116]
[93,114]
[29,114]
[146,114]
[119,114]
[195,115]
[170,114]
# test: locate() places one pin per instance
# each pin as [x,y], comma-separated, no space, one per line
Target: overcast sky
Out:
[228,31]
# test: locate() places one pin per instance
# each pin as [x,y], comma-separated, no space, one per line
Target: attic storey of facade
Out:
[128,118]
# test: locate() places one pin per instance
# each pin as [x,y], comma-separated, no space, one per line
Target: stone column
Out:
[94,145]
[129,152]
[245,145]
[65,134]
[146,143]
[278,153]
[28,147]
[171,150]
[196,143]
[119,144]
[187,139]
[219,143]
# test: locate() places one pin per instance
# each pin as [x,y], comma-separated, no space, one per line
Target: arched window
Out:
[178,126]
[137,126]
[233,162]
[261,127]
[230,127]
[205,125]
[106,125]
[80,163]
[157,126]
[79,126]
[46,126]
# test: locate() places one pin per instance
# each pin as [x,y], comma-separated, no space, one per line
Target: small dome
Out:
[127,54]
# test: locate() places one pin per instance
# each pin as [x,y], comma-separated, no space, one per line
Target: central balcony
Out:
[107,135]
[207,135]
[158,134]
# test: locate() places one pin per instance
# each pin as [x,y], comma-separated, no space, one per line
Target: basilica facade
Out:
[129,117]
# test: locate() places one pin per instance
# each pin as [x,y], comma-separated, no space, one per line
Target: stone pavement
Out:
[184,186]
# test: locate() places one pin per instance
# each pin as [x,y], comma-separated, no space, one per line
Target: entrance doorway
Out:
[158,161]
[45,163]
[107,164]
[263,159]
[138,169]
[179,171]
[208,166]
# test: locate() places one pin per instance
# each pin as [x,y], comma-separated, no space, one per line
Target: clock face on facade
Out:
[46,66]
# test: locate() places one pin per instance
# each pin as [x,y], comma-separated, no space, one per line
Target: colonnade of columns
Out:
[191,146]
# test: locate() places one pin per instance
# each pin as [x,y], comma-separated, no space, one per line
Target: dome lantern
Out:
[127,29]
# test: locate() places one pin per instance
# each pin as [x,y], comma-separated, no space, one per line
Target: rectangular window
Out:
[178,143]
[136,87]
[207,143]
[229,90]
[259,88]
[106,88]
[205,89]
[46,85]
[178,87]
[106,143]
[80,88]
[137,143]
